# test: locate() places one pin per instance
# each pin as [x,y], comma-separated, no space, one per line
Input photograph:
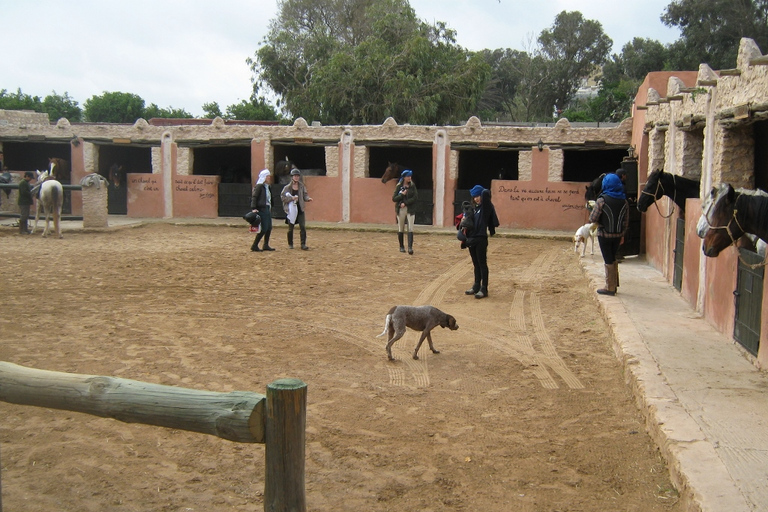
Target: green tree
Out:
[711,30]
[212,110]
[114,107]
[57,106]
[19,101]
[573,47]
[515,90]
[622,76]
[168,113]
[360,61]
[257,109]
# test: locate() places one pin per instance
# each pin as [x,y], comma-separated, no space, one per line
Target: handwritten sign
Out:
[200,187]
[144,182]
[568,198]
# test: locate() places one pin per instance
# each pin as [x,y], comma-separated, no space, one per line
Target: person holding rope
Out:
[611,213]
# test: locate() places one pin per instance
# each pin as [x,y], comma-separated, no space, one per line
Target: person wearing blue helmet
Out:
[611,213]
[485,221]
[405,198]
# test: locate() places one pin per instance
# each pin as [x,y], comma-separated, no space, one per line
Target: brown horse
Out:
[59,170]
[392,172]
[728,214]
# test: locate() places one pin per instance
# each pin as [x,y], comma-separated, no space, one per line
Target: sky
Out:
[184,53]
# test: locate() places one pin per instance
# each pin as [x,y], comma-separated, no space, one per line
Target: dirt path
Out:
[525,408]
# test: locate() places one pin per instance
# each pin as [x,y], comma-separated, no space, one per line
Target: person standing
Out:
[405,198]
[295,197]
[485,222]
[25,201]
[261,201]
[611,212]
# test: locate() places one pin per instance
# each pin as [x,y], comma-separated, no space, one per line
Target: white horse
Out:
[51,198]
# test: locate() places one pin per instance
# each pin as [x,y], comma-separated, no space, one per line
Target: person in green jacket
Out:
[405,197]
[25,201]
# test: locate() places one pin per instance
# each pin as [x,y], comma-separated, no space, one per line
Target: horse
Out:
[116,175]
[51,198]
[59,169]
[392,172]
[662,183]
[594,189]
[728,214]
[282,171]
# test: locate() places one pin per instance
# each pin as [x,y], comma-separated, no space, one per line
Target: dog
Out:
[583,235]
[418,318]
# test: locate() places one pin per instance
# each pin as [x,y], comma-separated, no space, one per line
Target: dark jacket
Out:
[259,197]
[25,194]
[612,215]
[485,218]
[409,198]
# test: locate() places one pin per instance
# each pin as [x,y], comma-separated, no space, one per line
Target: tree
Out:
[257,109]
[711,30]
[573,48]
[212,110]
[360,61]
[19,101]
[169,113]
[622,76]
[57,106]
[114,107]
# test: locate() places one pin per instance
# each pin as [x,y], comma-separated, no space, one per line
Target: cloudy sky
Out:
[184,53]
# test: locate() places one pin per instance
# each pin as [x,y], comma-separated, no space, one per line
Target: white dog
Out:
[583,235]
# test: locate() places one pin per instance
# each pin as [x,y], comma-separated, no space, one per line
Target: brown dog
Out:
[418,318]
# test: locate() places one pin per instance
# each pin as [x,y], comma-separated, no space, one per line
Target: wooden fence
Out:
[277,420]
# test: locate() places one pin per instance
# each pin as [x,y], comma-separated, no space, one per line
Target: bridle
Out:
[659,185]
[727,228]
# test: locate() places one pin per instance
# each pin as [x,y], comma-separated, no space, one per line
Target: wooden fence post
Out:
[286,419]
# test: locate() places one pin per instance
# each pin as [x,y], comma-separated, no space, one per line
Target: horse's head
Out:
[716,224]
[652,191]
[593,189]
[392,172]
[42,176]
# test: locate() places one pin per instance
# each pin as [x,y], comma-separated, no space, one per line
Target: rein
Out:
[727,229]
[663,192]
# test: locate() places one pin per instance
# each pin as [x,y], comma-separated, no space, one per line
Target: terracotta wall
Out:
[196,196]
[145,195]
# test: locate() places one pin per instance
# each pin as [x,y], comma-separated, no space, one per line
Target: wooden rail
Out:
[277,420]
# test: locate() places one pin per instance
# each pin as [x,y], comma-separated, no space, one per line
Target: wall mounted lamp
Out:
[540,145]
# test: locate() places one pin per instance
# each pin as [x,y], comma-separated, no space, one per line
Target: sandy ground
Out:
[525,409]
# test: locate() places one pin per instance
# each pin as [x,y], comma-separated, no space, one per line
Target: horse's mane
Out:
[758,208]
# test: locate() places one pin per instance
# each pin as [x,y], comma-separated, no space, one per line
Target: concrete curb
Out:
[698,473]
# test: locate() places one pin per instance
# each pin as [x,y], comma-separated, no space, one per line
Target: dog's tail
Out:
[386,326]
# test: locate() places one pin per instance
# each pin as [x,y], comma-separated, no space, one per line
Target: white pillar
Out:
[440,176]
[166,145]
[346,173]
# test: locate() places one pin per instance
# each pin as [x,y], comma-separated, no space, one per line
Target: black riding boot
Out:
[303,237]
[266,241]
[400,239]
[255,245]
[290,238]
[410,242]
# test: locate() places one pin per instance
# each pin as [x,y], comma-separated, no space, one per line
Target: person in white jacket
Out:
[295,197]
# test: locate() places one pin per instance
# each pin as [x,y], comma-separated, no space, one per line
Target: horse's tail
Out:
[57,199]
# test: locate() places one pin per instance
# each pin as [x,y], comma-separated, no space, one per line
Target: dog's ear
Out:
[452,323]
